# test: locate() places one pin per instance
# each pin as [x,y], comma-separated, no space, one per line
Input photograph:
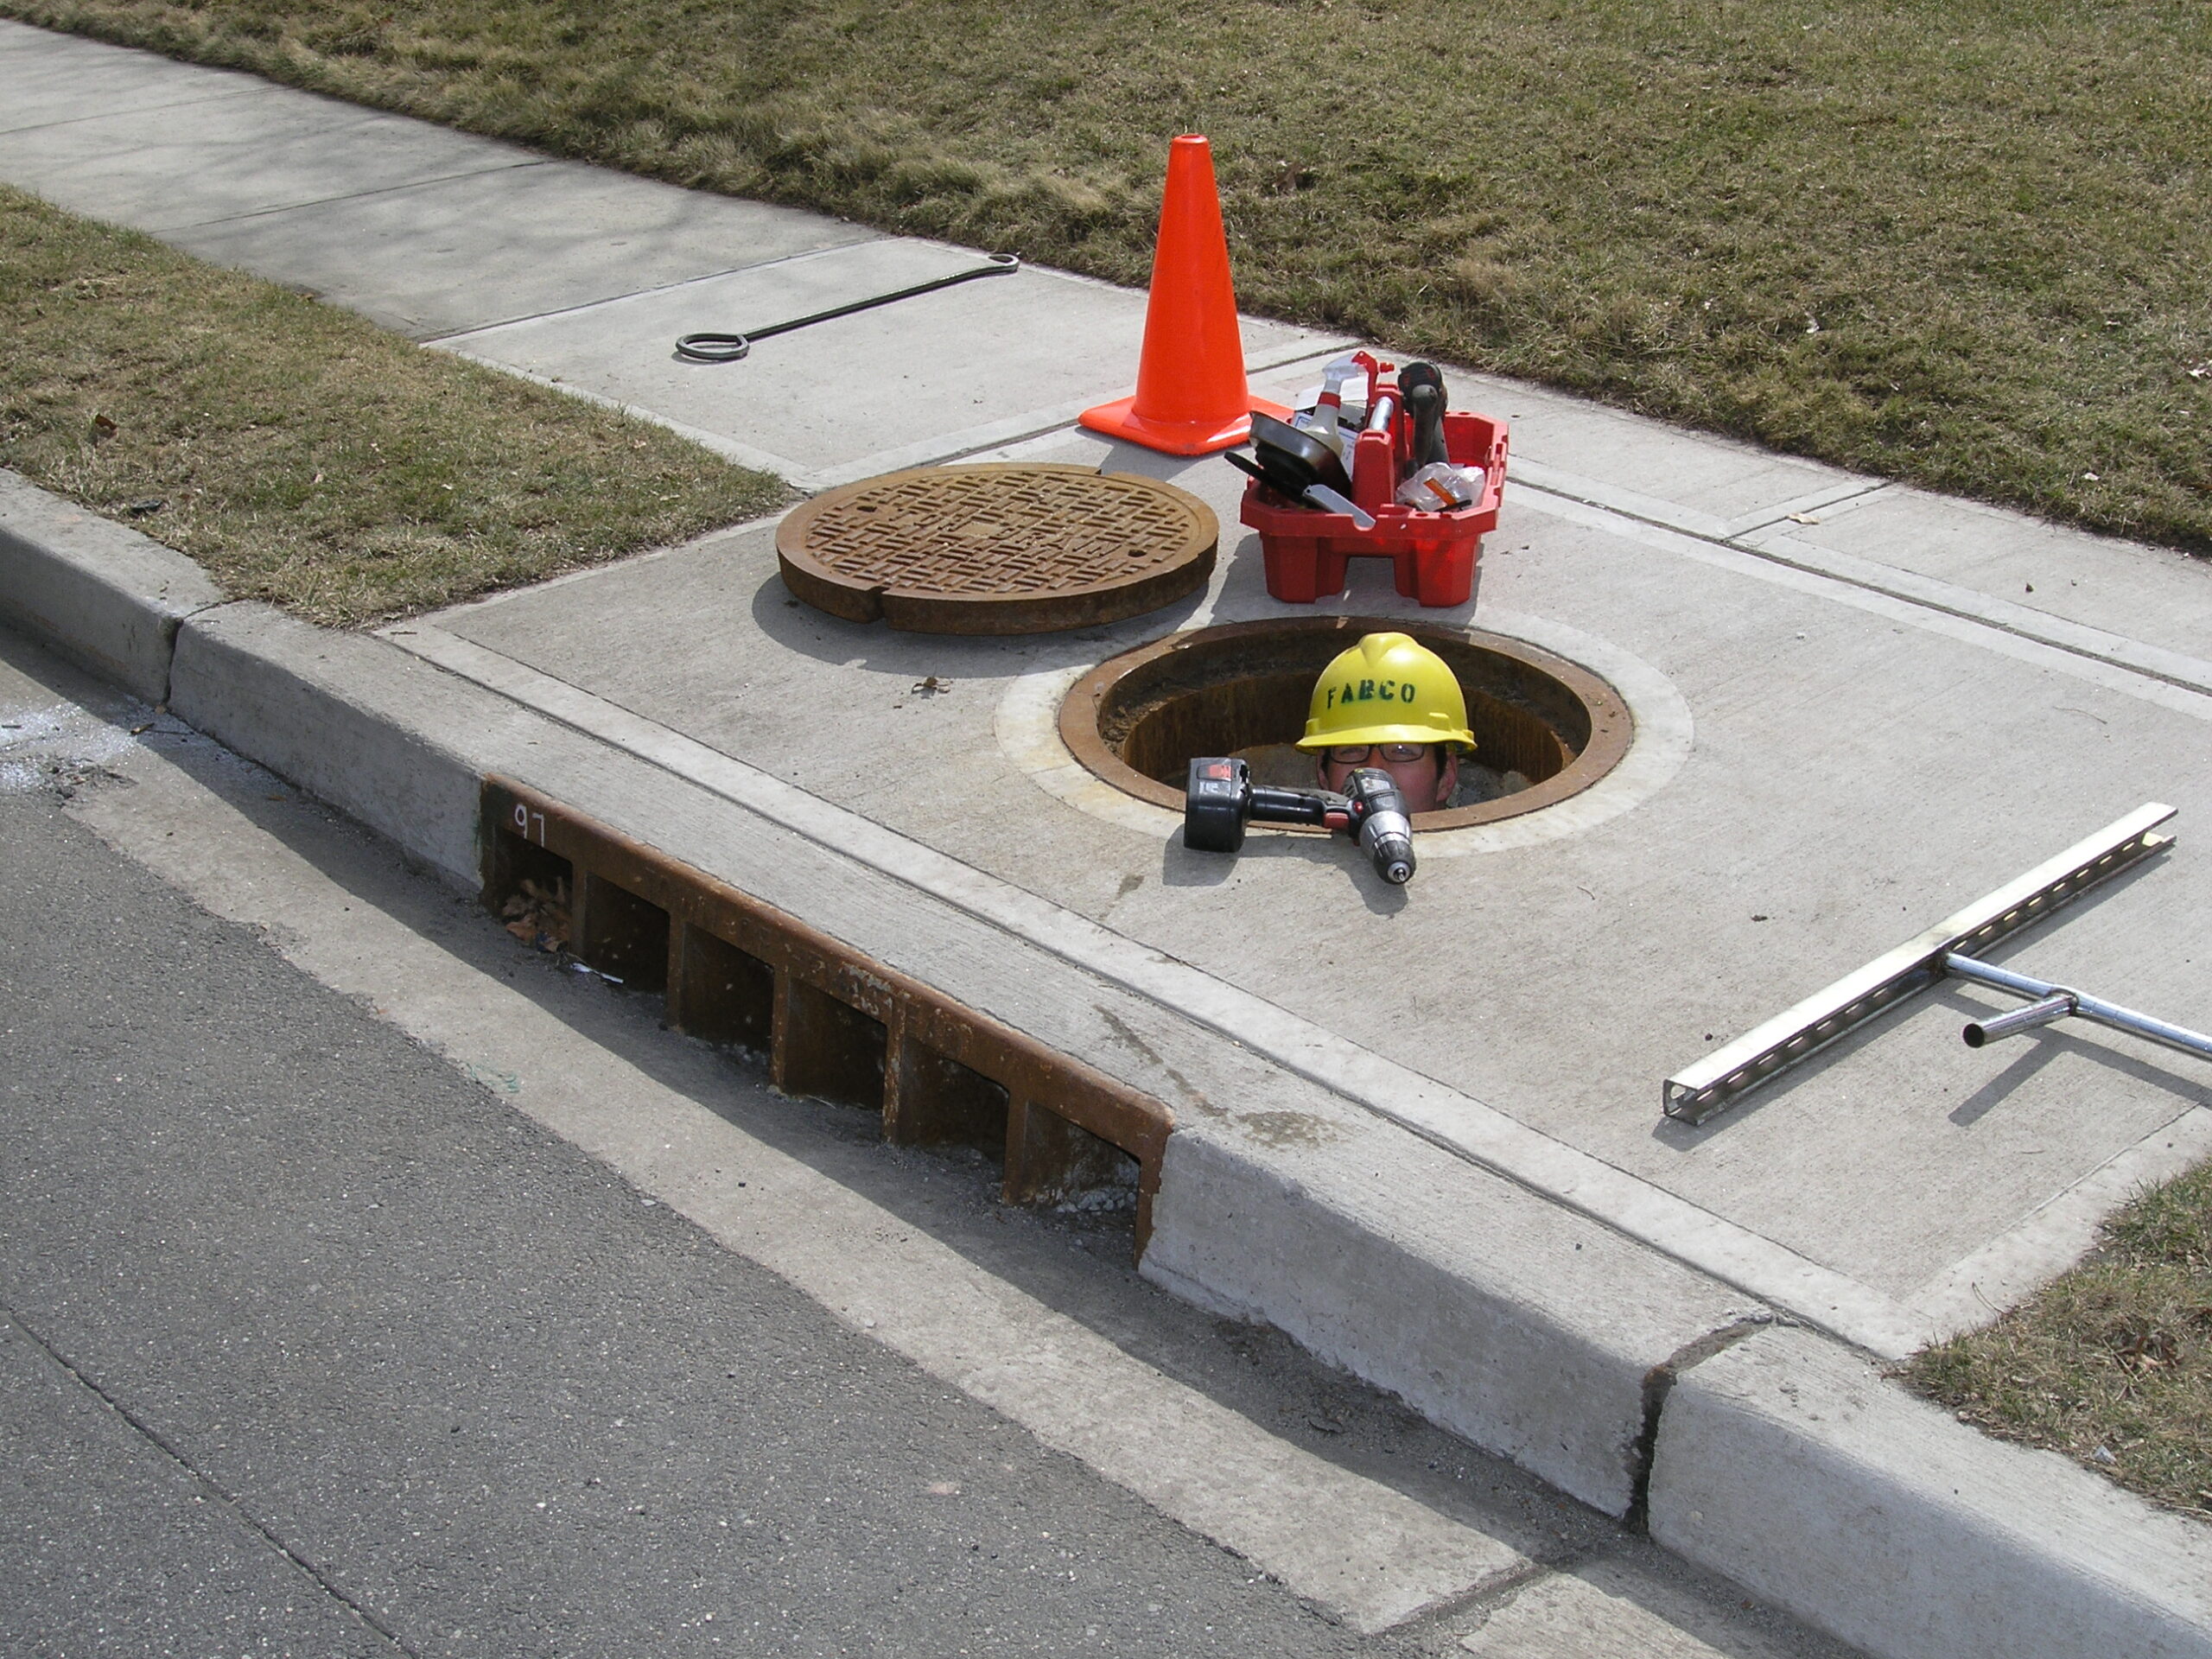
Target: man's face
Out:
[1426,773]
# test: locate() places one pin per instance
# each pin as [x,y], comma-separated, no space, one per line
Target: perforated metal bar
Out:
[1699,1091]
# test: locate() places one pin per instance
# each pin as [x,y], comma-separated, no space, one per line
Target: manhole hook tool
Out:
[1949,948]
[728,348]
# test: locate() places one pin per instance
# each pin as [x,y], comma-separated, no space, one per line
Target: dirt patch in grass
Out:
[304,456]
[1961,244]
[2112,1364]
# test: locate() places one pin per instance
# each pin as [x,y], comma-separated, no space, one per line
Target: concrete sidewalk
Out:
[1418,1130]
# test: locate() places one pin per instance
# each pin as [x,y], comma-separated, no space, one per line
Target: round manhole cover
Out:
[997,549]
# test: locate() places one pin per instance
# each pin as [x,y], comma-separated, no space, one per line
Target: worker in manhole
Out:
[1390,701]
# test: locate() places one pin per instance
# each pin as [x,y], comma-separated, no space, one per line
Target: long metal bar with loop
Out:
[728,348]
[1698,1091]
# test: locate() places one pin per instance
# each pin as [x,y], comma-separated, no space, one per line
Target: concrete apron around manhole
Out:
[1560,745]
[1817,773]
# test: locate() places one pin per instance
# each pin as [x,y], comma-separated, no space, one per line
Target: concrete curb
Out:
[1499,1315]
[98,592]
[1777,1457]
[267,685]
[1795,1468]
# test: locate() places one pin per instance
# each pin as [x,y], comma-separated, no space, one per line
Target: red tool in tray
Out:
[1434,552]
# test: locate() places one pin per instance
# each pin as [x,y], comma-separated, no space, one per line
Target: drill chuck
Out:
[1378,812]
[1389,841]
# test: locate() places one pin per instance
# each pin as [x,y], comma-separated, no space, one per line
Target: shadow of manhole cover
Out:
[1000,548]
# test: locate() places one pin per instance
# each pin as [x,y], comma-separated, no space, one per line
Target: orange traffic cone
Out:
[1191,398]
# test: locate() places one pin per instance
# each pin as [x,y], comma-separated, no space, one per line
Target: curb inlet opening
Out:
[836,1025]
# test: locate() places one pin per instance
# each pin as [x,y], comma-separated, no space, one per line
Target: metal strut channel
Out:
[1699,1091]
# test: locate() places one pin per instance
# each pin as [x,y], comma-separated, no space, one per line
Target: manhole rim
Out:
[1111,598]
[1612,722]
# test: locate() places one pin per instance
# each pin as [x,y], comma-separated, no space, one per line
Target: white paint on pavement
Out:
[36,732]
[1027,727]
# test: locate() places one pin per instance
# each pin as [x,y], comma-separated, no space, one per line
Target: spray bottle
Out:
[1325,419]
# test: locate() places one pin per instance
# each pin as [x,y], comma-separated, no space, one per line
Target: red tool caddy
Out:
[1434,552]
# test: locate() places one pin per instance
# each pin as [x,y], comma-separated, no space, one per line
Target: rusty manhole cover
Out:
[997,549]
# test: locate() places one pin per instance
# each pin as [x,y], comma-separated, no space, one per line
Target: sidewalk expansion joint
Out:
[370,195]
[1447,1610]
[1054,420]
[964,451]
[1321,355]
[142,109]
[1838,499]
[228,1501]
[1907,589]
[2049,637]
[801,257]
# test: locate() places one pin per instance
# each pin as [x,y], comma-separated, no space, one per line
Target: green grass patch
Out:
[2111,1362]
[304,456]
[1959,243]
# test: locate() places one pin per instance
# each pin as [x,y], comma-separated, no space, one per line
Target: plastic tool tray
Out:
[1434,553]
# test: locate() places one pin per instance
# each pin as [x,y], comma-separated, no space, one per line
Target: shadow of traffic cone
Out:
[1191,398]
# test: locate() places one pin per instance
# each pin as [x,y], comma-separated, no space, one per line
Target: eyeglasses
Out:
[1355,755]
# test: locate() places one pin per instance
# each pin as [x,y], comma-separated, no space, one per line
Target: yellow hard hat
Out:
[1388,688]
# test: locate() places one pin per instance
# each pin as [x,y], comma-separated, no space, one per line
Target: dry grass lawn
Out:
[2112,1364]
[1958,243]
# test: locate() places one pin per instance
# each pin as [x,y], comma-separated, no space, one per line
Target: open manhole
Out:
[1544,727]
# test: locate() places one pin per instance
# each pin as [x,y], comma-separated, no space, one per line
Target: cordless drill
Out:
[1221,800]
